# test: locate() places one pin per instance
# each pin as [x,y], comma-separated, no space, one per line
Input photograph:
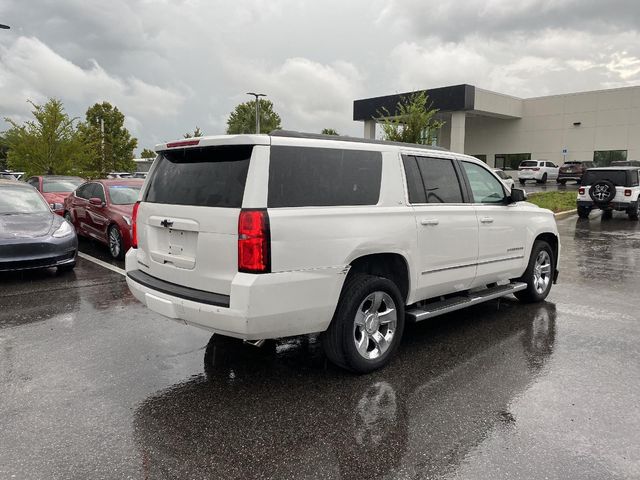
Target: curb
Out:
[565,214]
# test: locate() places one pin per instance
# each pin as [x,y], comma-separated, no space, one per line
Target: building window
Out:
[603,158]
[481,157]
[511,161]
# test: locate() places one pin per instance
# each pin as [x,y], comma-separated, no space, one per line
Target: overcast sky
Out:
[170,65]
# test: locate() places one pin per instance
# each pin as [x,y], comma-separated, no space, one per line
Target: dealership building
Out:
[502,130]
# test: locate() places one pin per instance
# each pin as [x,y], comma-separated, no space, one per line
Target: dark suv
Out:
[573,170]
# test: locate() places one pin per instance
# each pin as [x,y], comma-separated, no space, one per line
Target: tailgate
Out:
[188,217]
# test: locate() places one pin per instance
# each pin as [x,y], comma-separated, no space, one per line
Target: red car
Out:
[55,188]
[102,209]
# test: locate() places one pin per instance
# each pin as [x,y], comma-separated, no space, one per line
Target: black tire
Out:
[522,182]
[66,268]
[533,293]
[543,179]
[562,182]
[115,244]
[583,212]
[602,192]
[339,341]
[634,213]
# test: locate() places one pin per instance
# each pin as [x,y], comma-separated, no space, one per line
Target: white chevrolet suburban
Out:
[267,236]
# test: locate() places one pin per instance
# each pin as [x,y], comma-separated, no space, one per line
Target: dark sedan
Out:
[31,235]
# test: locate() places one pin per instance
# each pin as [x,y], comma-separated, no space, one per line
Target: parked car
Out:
[6,175]
[506,179]
[266,236]
[139,175]
[55,188]
[10,175]
[538,170]
[610,188]
[119,175]
[102,210]
[31,235]
[573,170]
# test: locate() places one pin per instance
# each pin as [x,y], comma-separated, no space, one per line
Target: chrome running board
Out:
[417,314]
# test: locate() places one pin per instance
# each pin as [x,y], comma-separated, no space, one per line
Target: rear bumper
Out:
[570,176]
[259,306]
[529,175]
[623,206]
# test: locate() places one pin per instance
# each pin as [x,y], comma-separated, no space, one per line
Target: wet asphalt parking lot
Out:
[93,385]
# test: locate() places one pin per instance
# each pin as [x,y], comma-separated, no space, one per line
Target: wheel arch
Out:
[392,266]
[553,240]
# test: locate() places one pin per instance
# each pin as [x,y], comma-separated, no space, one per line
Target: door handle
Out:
[430,221]
[486,220]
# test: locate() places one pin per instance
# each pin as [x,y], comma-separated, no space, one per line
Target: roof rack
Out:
[340,138]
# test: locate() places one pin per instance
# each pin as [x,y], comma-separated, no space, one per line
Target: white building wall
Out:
[609,120]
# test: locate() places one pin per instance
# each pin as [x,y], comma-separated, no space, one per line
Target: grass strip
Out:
[554,201]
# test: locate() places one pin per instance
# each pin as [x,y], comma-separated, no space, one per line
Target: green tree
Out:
[111,150]
[4,150]
[329,131]
[196,133]
[412,122]
[147,153]
[243,118]
[48,144]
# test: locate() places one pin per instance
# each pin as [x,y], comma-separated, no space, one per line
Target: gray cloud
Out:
[453,21]
[171,65]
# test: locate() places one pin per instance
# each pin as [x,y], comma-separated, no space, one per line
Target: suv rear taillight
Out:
[581,191]
[627,193]
[254,241]
[134,226]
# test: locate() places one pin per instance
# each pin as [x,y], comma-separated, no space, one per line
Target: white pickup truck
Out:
[266,236]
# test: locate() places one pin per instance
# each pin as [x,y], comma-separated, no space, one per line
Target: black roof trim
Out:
[446,99]
[340,138]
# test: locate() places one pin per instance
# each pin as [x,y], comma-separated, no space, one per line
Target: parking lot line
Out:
[106,265]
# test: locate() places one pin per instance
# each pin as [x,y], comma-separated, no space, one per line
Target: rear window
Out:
[203,177]
[306,177]
[532,163]
[124,194]
[618,177]
[60,185]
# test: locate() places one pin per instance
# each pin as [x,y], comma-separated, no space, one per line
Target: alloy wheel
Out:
[114,242]
[375,325]
[542,271]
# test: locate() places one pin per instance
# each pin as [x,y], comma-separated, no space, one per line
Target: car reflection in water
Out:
[282,412]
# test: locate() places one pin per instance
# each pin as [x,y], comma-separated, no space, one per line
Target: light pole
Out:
[257,95]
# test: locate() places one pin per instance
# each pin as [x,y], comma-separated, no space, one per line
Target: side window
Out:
[83,191]
[485,188]
[98,191]
[320,177]
[551,164]
[414,180]
[431,180]
[440,180]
